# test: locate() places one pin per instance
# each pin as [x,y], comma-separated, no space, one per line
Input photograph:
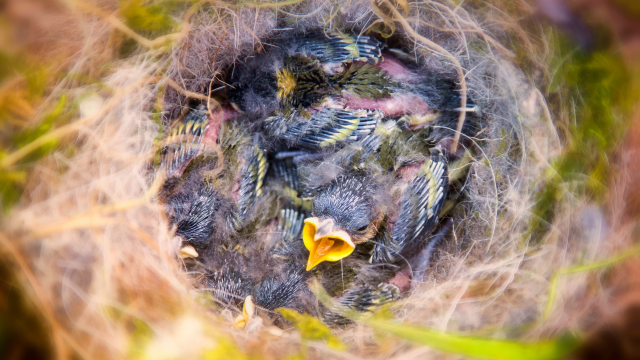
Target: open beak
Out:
[325,242]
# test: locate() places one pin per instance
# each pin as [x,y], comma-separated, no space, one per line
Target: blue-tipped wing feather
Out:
[251,181]
[323,128]
[336,48]
[421,203]
[185,142]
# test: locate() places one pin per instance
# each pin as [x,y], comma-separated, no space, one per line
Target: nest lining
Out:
[105,261]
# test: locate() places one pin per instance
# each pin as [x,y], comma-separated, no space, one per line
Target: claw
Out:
[188,251]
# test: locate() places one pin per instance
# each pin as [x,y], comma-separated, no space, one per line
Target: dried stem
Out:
[14,157]
[95,217]
[115,22]
[187,93]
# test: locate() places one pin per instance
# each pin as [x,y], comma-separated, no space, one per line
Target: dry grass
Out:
[92,248]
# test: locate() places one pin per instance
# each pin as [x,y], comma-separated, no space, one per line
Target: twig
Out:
[17,155]
[95,217]
[14,157]
[184,92]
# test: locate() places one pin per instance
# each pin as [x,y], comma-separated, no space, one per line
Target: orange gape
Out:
[327,244]
[324,247]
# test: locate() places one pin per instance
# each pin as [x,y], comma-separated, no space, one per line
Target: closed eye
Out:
[363,228]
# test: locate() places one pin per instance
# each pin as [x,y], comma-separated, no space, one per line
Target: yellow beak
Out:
[324,242]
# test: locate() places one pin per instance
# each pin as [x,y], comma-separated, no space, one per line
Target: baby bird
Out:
[313,114]
[185,141]
[374,203]
[300,101]
[335,49]
[329,91]
[393,194]
[368,206]
[209,194]
[211,198]
[358,140]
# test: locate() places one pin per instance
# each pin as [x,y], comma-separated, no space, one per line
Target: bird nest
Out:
[101,257]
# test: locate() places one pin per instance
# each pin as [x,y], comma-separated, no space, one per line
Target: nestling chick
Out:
[335,49]
[370,136]
[357,208]
[375,217]
[348,210]
[211,192]
[315,109]
[210,200]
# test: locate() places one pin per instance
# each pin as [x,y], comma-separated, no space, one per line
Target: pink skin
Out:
[402,280]
[395,106]
[211,135]
[397,71]
[398,104]
[409,172]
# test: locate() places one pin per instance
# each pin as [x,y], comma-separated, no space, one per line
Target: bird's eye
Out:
[362,228]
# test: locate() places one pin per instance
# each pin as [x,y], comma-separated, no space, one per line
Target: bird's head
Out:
[345,213]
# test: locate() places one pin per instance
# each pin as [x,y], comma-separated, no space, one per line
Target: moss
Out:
[226,350]
[503,145]
[312,328]
[146,16]
[139,339]
[22,84]
[597,85]
[12,178]
[543,212]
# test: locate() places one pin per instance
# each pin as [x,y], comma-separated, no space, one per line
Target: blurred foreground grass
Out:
[592,96]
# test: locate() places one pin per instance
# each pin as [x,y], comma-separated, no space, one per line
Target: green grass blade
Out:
[553,285]
[476,347]
[471,346]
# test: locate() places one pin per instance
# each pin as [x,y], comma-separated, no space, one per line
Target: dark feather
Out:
[229,286]
[288,233]
[363,298]
[421,202]
[324,128]
[280,291]
[193,214]
[337,48]
[251,181]
[185,142]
